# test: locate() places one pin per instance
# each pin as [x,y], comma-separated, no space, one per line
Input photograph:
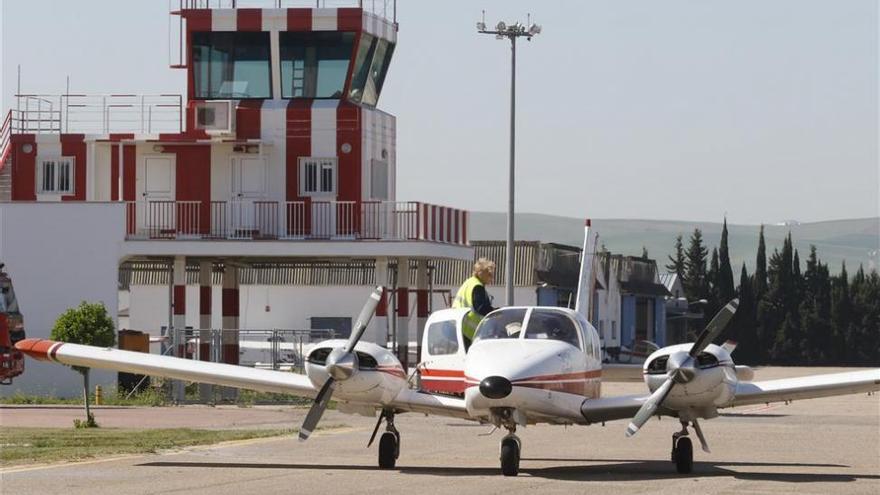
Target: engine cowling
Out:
[377,377]
[700,389]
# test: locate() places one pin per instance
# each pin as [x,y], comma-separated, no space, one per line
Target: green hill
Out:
[856,241]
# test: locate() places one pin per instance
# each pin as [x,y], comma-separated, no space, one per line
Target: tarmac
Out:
[819,446]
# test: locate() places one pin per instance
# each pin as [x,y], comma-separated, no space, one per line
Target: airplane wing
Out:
[807,387]
[422,402]
[612,408]
[170,367]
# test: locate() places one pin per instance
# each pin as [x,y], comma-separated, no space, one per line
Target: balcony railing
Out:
[295,220]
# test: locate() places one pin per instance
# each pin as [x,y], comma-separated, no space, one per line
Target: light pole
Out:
[511,32]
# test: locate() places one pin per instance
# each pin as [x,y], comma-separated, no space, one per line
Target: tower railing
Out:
[96,114]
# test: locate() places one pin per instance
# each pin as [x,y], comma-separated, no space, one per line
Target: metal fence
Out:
[276,349]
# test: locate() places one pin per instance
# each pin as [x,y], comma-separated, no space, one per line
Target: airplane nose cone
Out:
[495,387]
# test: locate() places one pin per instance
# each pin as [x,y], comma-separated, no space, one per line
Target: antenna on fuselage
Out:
[587,279]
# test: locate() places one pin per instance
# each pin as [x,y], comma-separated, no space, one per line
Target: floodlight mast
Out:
[512,32]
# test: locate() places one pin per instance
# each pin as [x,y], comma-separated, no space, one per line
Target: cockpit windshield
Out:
[551,325]
[504,324]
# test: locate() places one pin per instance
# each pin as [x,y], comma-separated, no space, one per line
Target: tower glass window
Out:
[370,67]
[230,65]
[314,65]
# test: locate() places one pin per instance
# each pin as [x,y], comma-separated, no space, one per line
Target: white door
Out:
[155,184]
[250,214]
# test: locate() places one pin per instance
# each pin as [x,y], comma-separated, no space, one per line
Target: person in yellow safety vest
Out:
[472,294]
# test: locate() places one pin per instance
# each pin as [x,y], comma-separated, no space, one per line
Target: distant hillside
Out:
[855,241]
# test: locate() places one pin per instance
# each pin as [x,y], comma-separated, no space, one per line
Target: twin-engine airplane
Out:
[527,365]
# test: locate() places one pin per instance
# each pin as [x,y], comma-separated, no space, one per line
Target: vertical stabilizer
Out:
[587,279]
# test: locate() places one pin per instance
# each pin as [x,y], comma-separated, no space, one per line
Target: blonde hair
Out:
[483,265]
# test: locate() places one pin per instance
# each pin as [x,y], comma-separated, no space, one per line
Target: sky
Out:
[687,110]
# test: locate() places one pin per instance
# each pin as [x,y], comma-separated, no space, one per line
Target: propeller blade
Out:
[376,429]
[364,318]
[649,407]
[715,327]
[317,410]
[700,436]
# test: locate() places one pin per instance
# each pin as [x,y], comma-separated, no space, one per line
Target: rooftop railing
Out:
[96,114]
[383,8]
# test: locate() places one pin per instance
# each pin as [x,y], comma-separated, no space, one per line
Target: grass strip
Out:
[20,446]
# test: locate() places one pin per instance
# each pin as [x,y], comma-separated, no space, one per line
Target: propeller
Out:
[680,369]
[341,364]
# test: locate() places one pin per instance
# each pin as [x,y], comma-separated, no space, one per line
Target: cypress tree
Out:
[744,320]
[726,290]
[841,309]
[760,278]
[695,282]
[676,262]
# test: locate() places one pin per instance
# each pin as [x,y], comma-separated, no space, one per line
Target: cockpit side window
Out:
[551,325]
[503,324]
[442,338]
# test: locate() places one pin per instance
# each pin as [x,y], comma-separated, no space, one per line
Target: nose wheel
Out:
[682,451]
[510,450]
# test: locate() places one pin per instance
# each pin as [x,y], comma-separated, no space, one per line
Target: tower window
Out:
[317,176]
[370,67]
[229,65]
[55,175]
[314,65]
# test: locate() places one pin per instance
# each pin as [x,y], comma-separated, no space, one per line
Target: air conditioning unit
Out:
[214,117]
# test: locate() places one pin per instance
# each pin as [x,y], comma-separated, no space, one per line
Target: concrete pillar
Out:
[379,324]
[206,391]
[229,337]
[178,318]
[422,297]
[403,283]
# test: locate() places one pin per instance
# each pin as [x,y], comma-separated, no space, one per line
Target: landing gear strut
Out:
[510,449]
[389,444]
[682,450]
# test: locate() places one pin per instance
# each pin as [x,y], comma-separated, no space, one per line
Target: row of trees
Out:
[789,313]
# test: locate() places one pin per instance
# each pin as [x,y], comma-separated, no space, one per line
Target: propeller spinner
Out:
[680,369]
[341,364]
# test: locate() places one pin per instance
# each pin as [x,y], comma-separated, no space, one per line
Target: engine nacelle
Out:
[379,376]
[711,382]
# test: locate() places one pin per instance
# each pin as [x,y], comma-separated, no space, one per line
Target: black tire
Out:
[388,450]
[509,457]
[684,456]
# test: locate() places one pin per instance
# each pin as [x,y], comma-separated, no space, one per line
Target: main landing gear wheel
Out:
[682,453]
[389,445]
[389,449]
[510,448]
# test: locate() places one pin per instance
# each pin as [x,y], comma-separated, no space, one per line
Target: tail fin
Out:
[587,279]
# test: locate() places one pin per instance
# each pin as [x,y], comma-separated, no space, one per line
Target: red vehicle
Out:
[11,331]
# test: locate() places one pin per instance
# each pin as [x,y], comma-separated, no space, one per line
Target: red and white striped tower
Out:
[229,338]
[422,296]
[206,391]
[379,323]
[403,282]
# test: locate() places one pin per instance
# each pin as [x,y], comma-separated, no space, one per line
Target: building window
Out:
[370,67]
[55,175]
[379,180]
[317,176]
[315,65]
[613,330]
[231,65]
